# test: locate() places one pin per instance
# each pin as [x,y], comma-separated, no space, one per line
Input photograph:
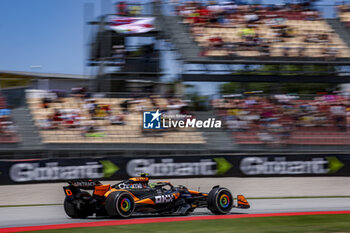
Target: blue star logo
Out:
[151,120]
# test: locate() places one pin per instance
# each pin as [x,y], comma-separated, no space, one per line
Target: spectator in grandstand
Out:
[117,119]
[9,128]
[124,106]
[330,53]
[174,106]
[101,111]
[286,131]
[70,118]
[236,125]
[90,106]
[5,113]
[343,8]
[286,51]
[45,103]
[251,18]
[52,96]
[216,42]
[264,47]
[311,15]
[139,103]
[92,131]
[154,103]
[5,116]
[46,124]
[80,92]
[122,8]
[266,137]
[247,32]
[3,132]
[338,112]
[135,10]
[55,119]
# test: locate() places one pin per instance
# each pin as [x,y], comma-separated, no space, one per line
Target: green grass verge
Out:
[290,224]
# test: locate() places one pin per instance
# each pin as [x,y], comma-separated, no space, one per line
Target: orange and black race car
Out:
[137,195]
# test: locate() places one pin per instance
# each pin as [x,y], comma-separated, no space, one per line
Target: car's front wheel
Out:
[220,201]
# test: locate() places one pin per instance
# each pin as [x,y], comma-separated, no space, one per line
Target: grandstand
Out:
[274,43]
[288,120]
[103,120]
[220,43]
[251,31]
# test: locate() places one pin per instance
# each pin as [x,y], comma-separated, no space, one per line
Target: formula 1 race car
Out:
[137,195]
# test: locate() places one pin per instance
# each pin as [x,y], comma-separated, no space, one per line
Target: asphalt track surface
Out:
[48,215]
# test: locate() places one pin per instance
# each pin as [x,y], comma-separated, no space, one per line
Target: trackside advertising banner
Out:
[116,168]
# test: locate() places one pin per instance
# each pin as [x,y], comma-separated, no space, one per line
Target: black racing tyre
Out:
[220,201]
[120,204]
[72,210]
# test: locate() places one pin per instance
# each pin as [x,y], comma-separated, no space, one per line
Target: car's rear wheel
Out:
[71,205]
[220,201]
[120,204]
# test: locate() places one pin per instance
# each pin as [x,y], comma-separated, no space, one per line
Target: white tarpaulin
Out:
[131,24]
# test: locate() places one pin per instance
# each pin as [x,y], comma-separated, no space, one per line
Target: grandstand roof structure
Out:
[40,75]
[115,59]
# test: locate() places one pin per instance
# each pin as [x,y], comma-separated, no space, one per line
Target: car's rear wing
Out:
[84,184]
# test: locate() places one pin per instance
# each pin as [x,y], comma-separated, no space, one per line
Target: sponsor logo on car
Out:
[130,186]
[163,199]
[84,183]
